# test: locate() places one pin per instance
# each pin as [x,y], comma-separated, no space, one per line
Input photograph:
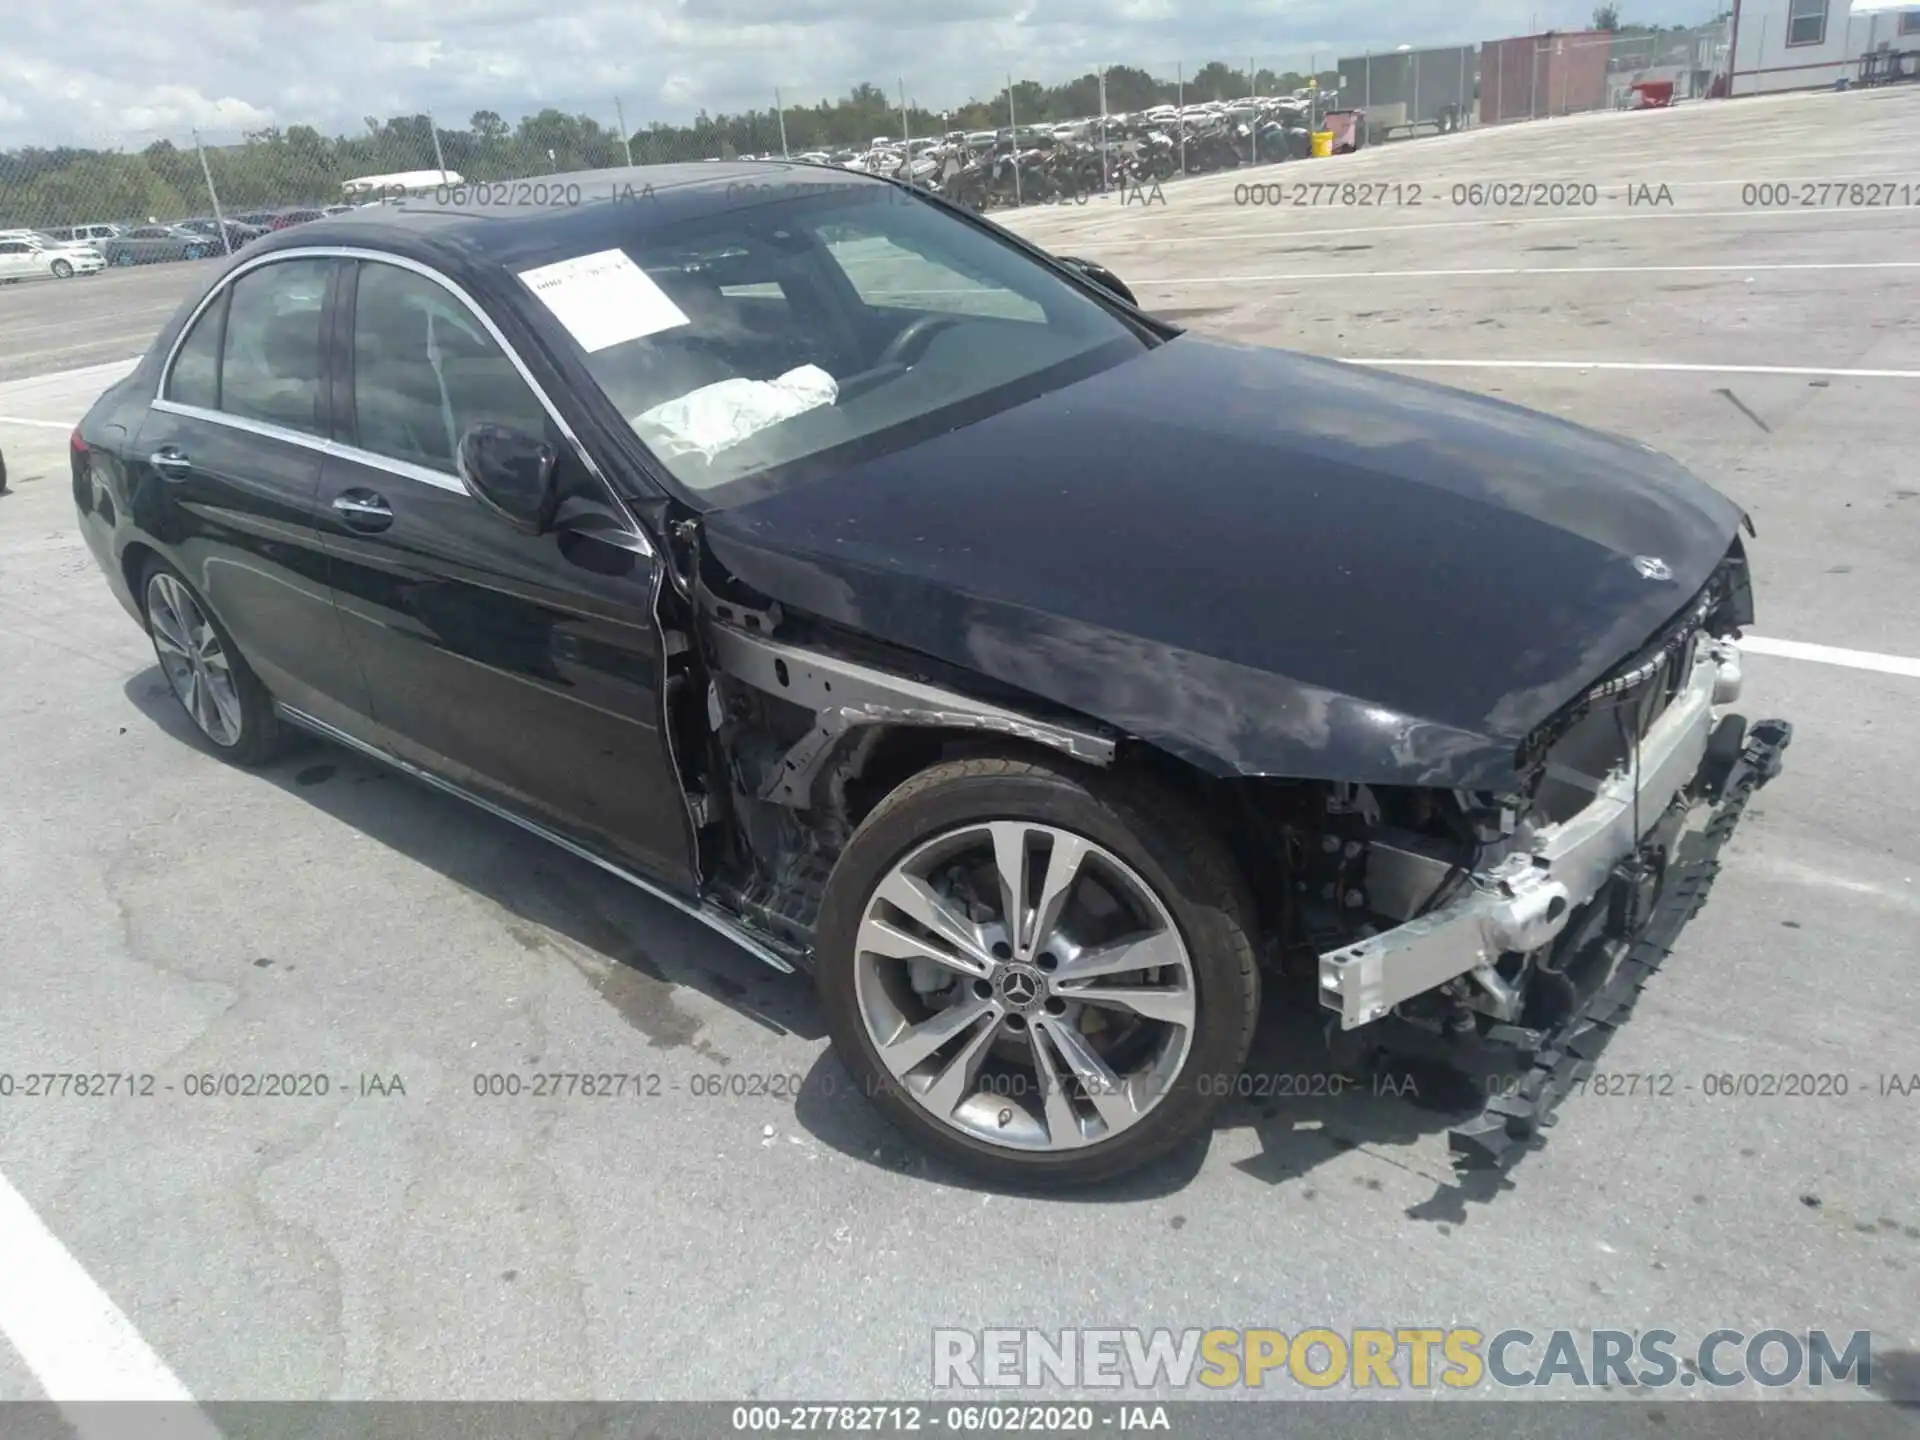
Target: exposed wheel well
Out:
[896,753]
[801,743]
[880,762]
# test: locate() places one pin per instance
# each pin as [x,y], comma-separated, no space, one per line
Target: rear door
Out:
[17,260]
[526,668]
[225,471]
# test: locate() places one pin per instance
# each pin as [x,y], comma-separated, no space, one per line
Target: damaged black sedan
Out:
[909,606]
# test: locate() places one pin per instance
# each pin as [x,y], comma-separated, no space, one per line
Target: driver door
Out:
[526,669]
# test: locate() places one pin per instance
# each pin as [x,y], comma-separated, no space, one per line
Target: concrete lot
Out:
[168,914]
[53,325]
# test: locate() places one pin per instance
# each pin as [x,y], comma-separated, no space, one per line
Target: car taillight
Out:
[82,472]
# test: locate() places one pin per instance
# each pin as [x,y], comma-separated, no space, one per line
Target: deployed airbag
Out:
[719,416]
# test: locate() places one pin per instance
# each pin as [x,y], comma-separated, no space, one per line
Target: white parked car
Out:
[25,255]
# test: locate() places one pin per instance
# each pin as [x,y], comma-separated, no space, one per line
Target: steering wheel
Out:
[911,343]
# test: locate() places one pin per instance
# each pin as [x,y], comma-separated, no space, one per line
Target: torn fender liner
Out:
[866,696]
[1565,1056]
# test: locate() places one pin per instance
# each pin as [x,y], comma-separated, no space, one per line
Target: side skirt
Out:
[712,919]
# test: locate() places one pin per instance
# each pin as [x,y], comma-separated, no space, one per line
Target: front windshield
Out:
[836,324]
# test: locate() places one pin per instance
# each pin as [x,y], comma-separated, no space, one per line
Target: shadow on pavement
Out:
[645,943]
[1292,1094]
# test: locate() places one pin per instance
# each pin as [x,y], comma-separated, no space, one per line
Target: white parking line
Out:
[81,1349]
[38,424]
[1412,363]
[1832,655]
[1715,269]
[108,370]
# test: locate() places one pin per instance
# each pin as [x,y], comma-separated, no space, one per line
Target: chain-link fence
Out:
[1014,140]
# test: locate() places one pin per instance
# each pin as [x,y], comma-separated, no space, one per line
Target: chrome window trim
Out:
[317,443]
[404,468]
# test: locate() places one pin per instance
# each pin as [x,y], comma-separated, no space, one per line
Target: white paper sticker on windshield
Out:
[603,299]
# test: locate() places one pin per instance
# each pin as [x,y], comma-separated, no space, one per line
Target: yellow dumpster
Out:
[1322,143]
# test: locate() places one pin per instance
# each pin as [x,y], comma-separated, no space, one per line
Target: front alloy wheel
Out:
[1040,990]
[213,684]
[1025,986]
[62,270]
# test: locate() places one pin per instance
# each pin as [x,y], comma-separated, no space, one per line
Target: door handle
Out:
[363,510]
[171,462]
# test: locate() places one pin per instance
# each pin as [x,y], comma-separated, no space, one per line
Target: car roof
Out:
[511,223]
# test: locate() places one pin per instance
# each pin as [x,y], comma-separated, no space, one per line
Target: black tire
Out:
[262,739]
[1188,870]
[61,270]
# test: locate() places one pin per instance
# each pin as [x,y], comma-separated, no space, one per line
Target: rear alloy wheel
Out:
[1044,977]
[62,270]
[124,257]
[221,695]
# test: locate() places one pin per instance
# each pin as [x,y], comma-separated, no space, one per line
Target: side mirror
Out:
[1102,277]
[511,473]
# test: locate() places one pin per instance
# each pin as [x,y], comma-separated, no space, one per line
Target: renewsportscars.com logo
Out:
[1418,1358]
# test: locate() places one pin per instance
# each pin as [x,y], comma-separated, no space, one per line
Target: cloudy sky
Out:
[125,71]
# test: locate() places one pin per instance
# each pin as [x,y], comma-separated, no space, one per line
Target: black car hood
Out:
[1266,563]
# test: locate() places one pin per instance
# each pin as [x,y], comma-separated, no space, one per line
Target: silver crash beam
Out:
[1525,901]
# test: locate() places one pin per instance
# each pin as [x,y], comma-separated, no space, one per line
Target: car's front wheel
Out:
[214,685]
[62,270]
[1045,976]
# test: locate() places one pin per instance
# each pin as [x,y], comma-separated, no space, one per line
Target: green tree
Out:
[1215,81]
[298,164]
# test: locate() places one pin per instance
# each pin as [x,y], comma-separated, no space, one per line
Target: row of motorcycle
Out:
[1048,169]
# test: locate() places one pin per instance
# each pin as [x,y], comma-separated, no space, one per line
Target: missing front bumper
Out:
[1548,1065]
[1524,903]
[1523,1074]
